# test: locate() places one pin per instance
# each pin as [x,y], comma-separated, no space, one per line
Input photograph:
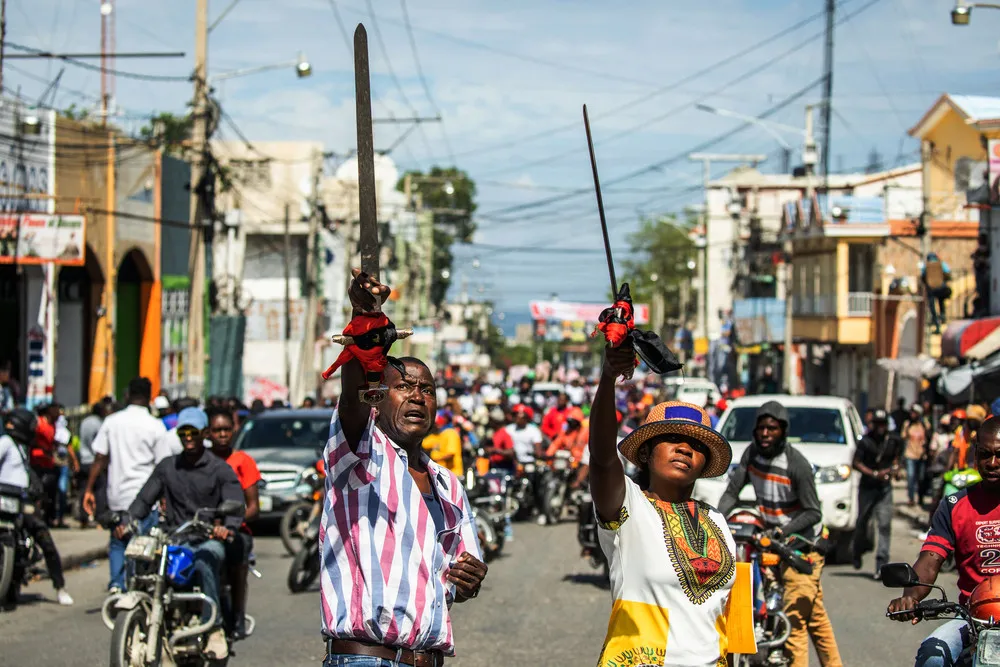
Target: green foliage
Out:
[662,248]
[451,194]
[170,131]
[76,113]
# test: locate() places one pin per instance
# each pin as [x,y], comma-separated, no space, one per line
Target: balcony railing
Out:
[859,304]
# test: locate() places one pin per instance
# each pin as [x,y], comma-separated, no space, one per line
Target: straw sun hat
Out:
[683,419]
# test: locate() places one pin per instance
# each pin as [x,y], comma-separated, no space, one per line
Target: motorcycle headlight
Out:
[833,474]
[960,480]
[10,505]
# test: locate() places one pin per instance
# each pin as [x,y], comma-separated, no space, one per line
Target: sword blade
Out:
[367,207]
[600,205]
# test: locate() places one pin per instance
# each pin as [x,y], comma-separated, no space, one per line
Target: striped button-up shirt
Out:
[384,565]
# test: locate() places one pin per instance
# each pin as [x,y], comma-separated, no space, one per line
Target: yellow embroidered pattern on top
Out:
[698,550]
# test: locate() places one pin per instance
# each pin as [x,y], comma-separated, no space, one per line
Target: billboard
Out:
[759,321]
[41,238]
[565,311]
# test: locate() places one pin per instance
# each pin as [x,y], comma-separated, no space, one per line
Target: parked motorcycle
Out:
[305,566]
[985,632]
[296,519]
[158,621]
[18,551]
[771,625]
[555,481]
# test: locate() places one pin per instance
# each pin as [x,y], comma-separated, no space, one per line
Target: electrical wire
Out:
[423,81]
[97,68]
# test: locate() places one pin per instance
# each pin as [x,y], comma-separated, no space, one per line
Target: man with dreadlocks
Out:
[385,496]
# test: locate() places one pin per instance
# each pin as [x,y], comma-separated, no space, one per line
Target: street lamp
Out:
[962,12]
[303,69]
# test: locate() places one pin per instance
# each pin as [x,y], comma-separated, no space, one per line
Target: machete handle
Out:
[341,339]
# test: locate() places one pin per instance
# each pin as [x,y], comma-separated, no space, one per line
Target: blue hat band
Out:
[682,412]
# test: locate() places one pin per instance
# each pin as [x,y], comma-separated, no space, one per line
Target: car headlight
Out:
[833,474]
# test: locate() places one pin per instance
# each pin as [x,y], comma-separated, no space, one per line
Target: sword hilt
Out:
[341,339]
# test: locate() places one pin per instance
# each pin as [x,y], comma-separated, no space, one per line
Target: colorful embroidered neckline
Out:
[697,548]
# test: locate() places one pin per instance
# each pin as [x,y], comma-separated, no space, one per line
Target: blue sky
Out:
[509,79]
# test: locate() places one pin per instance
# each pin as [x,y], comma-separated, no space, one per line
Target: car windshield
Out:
[810,425]
[307,432]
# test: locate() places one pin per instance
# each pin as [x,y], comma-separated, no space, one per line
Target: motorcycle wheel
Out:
[552,505]
[129,637]
[305,568]
[487,537]
[294,523]
[6,569]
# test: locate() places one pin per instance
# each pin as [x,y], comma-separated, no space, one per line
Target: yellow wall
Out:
[953,138]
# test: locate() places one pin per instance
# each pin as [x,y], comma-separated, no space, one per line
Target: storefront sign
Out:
[42,239]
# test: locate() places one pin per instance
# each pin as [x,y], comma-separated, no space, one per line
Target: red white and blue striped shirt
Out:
[384,565]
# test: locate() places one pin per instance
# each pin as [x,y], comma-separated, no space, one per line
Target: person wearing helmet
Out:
[19,434]
[877,459]
[573,437]
[785,487]
[963,526]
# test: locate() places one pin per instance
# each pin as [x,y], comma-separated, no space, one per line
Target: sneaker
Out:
[115,590]
[541,520]
[217,648]
[923,536]
[878,575]
[64,598]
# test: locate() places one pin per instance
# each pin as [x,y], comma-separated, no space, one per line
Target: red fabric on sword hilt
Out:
[373,335]
[617,321]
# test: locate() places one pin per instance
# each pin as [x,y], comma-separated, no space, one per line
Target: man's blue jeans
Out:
[116,552]
[948,646]
[914,478]
[208,558]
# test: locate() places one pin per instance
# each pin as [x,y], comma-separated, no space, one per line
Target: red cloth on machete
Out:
[373,335]
[617,323]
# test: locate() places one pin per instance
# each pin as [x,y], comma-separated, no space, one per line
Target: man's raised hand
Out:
[363,291]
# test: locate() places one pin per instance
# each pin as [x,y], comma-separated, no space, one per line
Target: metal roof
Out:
[978,107]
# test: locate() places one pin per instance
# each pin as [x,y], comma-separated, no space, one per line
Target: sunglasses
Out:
[187,433]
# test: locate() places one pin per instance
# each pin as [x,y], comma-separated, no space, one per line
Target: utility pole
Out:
[707,159]
[307,376]
[809,161]
[3,36]
[288,301]
[831,7]
[926,155]
[197,251]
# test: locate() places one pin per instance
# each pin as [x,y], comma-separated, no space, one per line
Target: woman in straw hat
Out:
[672,562]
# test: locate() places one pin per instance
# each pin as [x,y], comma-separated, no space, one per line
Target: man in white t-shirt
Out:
[527,437]
[129,445]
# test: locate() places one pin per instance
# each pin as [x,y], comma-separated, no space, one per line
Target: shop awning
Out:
[965,338]
[973,381]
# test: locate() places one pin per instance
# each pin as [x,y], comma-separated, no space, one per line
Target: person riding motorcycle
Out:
[19,434]
[192,480]
[963,525]
[785,487]
[573,438]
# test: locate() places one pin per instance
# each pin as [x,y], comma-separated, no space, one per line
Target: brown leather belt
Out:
[404,656]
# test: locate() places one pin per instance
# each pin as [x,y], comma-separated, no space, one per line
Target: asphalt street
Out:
[541,605]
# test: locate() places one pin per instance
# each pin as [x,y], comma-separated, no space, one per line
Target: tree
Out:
[662,248]
[451,196]
[170,131]
[76,113]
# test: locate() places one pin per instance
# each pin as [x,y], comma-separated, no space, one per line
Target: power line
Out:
[655,93]
[423,80]
[97,68]
[656,165]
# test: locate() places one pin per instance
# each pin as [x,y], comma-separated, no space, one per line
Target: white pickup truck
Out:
[825,429]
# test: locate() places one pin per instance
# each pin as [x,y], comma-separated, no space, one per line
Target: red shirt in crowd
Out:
[246,471]
[553,421]
[43,453]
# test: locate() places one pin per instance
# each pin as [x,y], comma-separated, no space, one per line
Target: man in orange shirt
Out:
[573,439]
[220,433]
[555,418]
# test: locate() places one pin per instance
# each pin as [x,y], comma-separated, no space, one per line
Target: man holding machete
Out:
[397,539]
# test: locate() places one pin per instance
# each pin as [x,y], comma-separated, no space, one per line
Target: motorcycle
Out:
[296,519]
[18,551]
[956,480]
[158,621]
[555,480]
[305,566]
[586,535]
[771,624]
[985,633]
[487,492]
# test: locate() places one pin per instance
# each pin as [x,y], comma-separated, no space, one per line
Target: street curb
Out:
[76,560]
